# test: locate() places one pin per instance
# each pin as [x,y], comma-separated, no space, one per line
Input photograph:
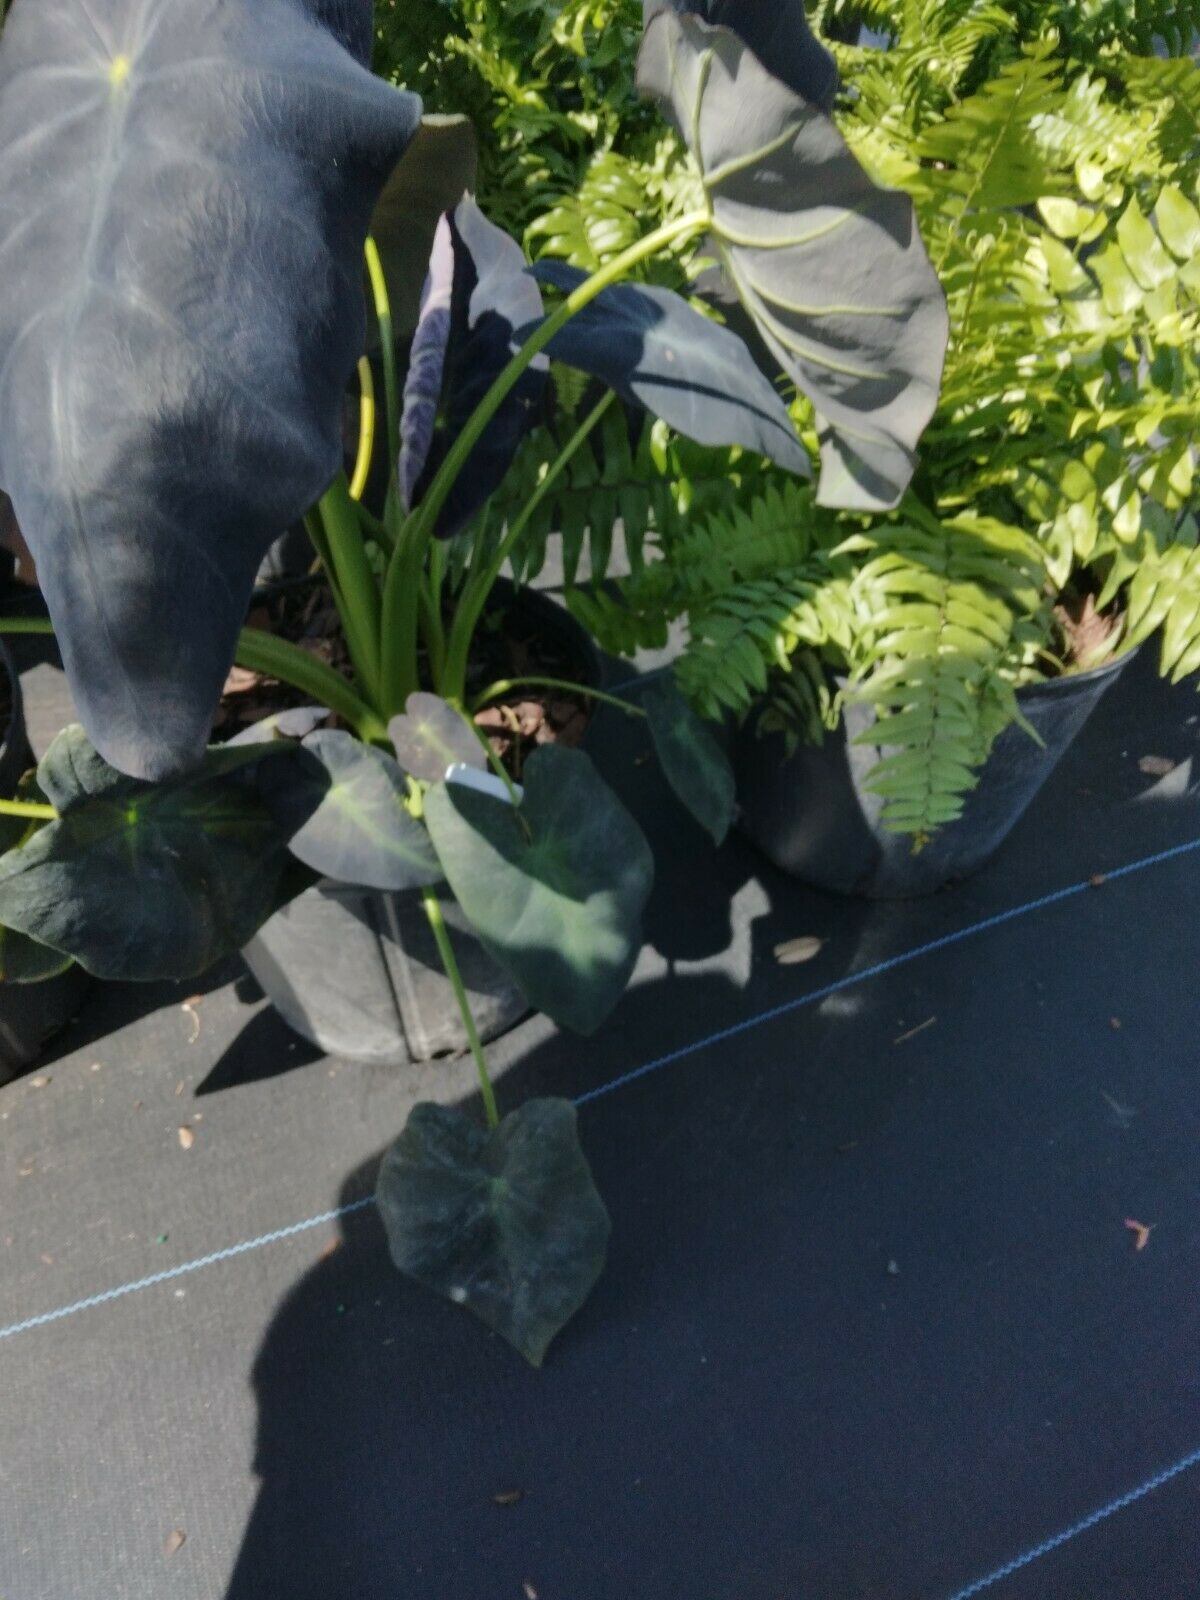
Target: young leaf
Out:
[476,295]
[142,881]
[830,267]
[432,736]
[695,765]
[340,804]
[656,351]
[556,888]
[507,1223]
[184,195]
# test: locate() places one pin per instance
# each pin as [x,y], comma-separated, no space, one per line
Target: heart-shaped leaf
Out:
[554,888]
[340,805]
[145,881]
[830,267]
[657,352]
[507,1223]
[431,177]
[476,296]
[778,33]
[185,190]
[693,760]
[431,736]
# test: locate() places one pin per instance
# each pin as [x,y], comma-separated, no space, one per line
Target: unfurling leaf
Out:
[477,294]
[693,759]
[554,888]
[830,267]
[430,737]
[185,190]
[506,1223]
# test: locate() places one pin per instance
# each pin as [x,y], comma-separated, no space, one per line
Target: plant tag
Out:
[483,782]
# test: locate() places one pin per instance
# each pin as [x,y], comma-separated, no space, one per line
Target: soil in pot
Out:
[522,634]
[354,971]
[812,815]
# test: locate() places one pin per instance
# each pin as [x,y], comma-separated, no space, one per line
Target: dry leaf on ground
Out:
[1140,1232]
[176,1540]
[186,1138]
[1156,766]
[793,951]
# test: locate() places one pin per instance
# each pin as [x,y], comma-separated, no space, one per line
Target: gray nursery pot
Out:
[357,973]
[812,816]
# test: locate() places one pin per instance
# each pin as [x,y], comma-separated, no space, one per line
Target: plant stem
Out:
[26,625]
[366,430]
[259,651]
[374,529]
[28,808]
[437,922]
[506,685]
[356,592]
[417,530]
[475,598]
[383,315]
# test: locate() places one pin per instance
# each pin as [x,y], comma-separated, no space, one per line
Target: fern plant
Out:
[1048,529]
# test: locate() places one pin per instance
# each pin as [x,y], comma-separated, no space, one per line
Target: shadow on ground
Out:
[872,1320]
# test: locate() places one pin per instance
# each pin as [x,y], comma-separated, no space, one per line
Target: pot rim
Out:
[1067,681]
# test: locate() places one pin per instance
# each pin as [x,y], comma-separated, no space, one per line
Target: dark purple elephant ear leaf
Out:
[185,190]
[779,34]
[830,268]
[473,306]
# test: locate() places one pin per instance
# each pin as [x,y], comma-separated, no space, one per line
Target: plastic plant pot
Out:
[812,816]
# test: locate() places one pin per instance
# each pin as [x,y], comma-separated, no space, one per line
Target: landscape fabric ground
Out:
[874,1321]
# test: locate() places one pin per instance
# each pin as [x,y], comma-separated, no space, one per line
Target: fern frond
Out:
[739,640]
[947,618]
[1172,88]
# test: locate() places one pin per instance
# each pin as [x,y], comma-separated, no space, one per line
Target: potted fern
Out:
[906,679]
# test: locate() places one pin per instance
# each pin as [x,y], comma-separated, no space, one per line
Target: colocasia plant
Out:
[186,189]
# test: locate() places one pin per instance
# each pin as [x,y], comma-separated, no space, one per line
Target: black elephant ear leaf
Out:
[295,723]
[692,757]
[779,34]
[830,267]
[140,881]
[477,295]
[24,960]
[340,805]
[185,191]
[431,736]
[508,1223]
[437,169]
[657,352]
[556,888]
